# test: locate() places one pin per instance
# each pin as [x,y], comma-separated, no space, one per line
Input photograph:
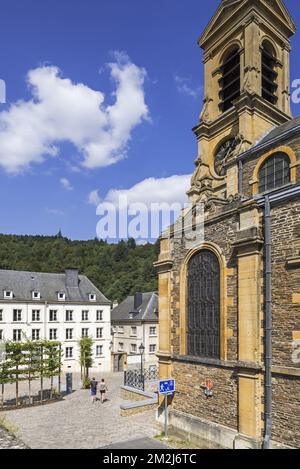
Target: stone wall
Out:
[190,398]
[286,410]
[285,229]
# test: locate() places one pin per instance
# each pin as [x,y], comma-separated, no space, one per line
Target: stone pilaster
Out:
[249,254]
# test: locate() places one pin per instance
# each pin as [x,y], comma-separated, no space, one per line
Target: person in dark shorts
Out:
[103,389]
[93,389]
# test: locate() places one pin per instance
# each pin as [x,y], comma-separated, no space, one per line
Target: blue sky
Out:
[80,38]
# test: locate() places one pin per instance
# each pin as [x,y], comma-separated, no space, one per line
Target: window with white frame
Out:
[121,329]
[1,335]
[69,315]
[85,315]
[36,315]
[69,352]
[61,296]
[121,346]
[69,334]
[35,334]
[133,331]
[17,335]
[99,315]
[99,350]
[84,332]
[133,348]
[53,334]
[92,297]
[17,315]
[1,315]
[8,295]
[36,295]
[53,315]
[99,333]
[152,348]
[153,330]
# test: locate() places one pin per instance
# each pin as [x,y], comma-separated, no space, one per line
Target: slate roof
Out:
[22,284]
[148,311]
[280,130]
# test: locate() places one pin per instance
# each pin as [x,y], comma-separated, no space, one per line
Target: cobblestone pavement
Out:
[8,441]
[144,443]
[77,423]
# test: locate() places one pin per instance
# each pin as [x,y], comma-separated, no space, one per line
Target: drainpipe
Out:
[268,338]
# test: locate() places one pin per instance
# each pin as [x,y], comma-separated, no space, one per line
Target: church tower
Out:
[247,89]
[229,302]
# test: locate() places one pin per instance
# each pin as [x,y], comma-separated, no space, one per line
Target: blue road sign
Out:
[167,386]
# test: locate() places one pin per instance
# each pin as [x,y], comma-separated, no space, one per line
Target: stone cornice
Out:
[293,262]
[235,365]
[163,265]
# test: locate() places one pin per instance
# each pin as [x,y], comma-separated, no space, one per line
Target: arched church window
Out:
[269,74]
[231,79]
[203,304]
[275,172]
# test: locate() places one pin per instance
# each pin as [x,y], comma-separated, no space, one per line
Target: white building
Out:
[135,323]
[60,307]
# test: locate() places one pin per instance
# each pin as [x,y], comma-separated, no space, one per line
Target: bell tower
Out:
[247,89]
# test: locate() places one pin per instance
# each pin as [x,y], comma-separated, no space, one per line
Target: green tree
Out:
[86,358]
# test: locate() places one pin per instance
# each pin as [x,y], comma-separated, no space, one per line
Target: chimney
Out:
[138,300]
[72,279]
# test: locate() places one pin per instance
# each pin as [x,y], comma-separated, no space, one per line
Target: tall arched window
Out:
[230,82]
[269,74]
[275,172]
[203,303]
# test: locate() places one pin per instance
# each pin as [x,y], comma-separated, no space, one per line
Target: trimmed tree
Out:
[86,359]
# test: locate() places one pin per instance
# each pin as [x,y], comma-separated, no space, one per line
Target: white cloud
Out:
[61,110]
[169,190]
[184,86]
[144,210]
[65,183]
[94,198]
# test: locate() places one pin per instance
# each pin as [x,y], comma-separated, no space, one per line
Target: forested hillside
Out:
[117,270]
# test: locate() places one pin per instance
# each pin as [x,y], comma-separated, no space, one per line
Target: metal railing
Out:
[135,379]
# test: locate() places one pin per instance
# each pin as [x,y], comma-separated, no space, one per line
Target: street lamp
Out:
[142,351]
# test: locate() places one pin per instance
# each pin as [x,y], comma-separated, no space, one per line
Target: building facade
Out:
[60,307]
[230,304]
[135,323]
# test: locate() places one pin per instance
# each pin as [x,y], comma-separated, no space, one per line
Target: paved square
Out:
[144,443]
[78,423]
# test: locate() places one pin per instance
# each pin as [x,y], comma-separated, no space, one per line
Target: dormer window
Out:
[8,294]
[36,295]
[61,296]
[92,297]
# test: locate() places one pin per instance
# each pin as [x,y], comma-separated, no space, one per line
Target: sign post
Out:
[166,388]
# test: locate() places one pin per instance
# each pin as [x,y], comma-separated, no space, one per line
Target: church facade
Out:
[229,307]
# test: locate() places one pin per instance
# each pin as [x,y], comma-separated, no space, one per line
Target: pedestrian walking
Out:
[93,389]
[103,390]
